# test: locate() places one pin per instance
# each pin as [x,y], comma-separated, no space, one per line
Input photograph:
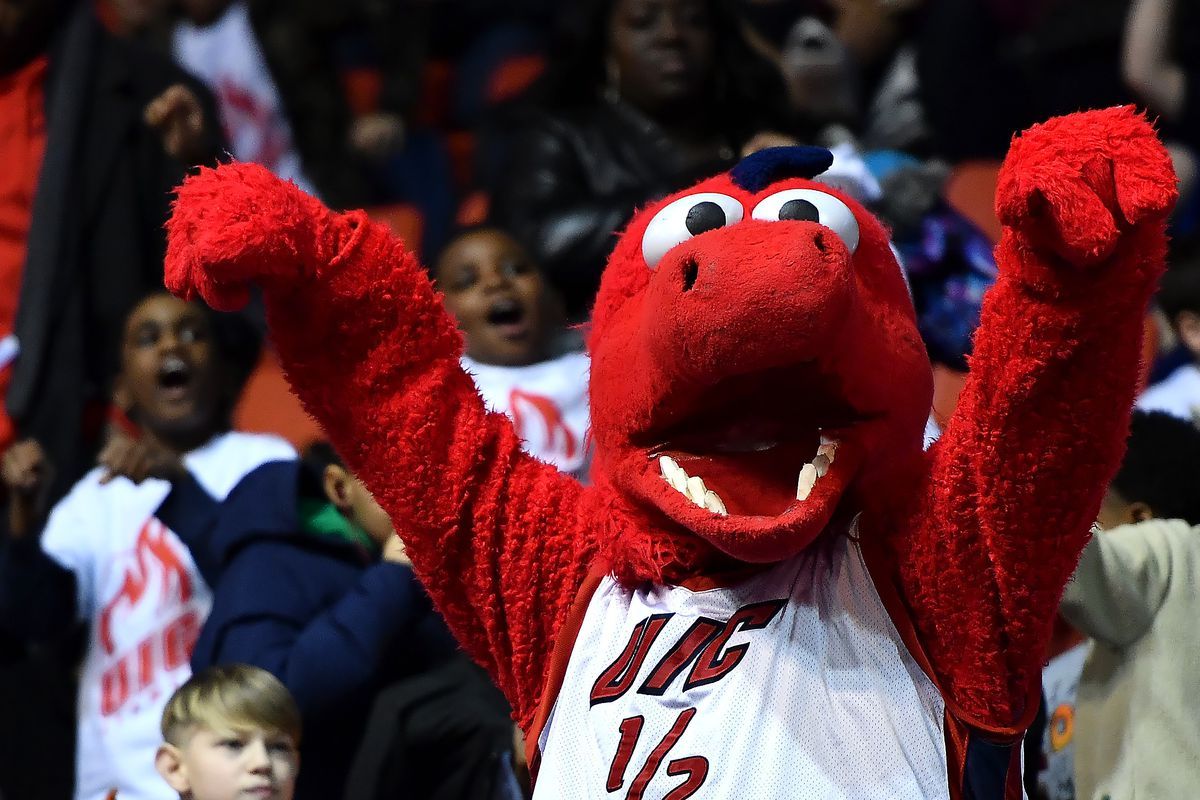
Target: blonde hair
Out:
[230,697]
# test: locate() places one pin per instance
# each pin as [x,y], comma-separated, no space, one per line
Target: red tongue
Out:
[757,483]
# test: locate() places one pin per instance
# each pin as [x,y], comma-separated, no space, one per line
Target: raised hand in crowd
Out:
[26,473]
[138,459]
[378,134]
[179,119]
[395,552]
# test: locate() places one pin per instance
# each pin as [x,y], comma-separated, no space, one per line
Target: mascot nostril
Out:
[764,531]
[690,270]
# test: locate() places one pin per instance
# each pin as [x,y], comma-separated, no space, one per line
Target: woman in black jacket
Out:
[649,96]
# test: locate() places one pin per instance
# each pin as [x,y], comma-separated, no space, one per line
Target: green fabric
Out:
[321,518]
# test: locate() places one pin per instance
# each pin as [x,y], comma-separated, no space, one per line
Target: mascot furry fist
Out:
[771,589]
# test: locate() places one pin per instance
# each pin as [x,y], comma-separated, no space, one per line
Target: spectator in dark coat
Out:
[444,735]
[649,97]
[311,584]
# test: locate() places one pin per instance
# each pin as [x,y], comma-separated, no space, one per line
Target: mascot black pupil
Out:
[706,216]
[800,211]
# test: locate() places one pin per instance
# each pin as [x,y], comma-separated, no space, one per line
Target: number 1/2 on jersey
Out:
[694,767]
[704,647]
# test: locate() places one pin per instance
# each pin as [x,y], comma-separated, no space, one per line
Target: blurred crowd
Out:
[169,511]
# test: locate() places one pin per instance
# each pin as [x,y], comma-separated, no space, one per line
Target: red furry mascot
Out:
[771,590]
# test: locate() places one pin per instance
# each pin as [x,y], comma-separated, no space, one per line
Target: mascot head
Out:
[756,366]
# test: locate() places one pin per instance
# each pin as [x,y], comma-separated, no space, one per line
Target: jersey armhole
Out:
[560,657]
[972,746]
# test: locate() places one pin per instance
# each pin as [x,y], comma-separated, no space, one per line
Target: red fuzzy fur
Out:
[498,538]
[1016,480]
[982,532]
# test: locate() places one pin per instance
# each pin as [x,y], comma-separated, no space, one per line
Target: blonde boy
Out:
[231,732]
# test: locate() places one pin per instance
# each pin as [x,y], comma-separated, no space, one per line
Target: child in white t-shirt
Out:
[514,337]
[104,558]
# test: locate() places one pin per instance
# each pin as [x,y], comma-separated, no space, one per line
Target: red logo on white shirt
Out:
[560,441]
[155,563]
[152,552]
[251,123]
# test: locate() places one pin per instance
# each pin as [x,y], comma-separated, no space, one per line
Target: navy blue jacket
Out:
[335,624]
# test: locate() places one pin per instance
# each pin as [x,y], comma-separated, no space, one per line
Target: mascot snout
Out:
[715,311]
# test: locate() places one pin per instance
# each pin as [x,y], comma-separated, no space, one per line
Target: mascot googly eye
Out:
[810,205]
[687,217]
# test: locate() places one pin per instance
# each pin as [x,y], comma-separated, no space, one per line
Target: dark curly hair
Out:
[319,455]
[1161,467]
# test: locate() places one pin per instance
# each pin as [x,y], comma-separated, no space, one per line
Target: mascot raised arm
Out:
[770,589]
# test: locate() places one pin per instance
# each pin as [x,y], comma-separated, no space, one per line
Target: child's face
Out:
[369,514]
[170,376]
[354,499]
[1187,327]
[495,292]
[212,765]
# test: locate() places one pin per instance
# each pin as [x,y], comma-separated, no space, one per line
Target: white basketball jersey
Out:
[792,684]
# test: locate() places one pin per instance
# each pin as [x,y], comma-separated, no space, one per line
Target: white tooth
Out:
[714,504]
[673,474]
[668,466]
[822,462]
[696,490]
[808,479]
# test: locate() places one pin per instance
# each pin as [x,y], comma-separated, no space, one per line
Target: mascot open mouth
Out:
[770,450]
[752,473]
